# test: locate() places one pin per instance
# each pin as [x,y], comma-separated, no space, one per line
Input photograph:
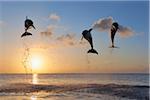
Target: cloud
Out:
[104,24]
[54,17]
[49,31]
[68,39]
[60,36]
[64,40]
[125,31]
[46,33]
[83,42]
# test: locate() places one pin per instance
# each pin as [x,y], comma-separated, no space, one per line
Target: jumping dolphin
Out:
[87,35]
[28,24]
[114,28]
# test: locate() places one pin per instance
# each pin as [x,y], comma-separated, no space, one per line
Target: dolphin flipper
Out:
[92,51]
[26,34]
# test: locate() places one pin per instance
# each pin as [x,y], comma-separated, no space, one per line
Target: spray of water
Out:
[111,51]
[87,60]
[26,57]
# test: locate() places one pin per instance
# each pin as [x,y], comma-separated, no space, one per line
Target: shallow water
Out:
[74,87]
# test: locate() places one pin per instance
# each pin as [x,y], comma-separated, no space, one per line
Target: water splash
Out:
[26,57]
[88,63]
[35,79]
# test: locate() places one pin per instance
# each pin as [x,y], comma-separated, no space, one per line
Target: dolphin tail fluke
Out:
[92,51]
[26,34]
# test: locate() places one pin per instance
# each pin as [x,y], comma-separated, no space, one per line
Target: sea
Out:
[74,86]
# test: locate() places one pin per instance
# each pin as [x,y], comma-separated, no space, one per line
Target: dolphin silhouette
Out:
[28,23]
[114,28]
[87,35]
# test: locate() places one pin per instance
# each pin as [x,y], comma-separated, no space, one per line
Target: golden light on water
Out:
[33,98]
[35,79]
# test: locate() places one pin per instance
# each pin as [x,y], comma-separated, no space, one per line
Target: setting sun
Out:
[36,62]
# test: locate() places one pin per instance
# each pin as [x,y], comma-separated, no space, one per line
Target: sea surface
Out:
[74,86]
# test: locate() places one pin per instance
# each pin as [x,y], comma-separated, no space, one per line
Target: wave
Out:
[139,92]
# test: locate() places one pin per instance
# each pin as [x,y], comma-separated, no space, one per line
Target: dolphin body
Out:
[28,23]
[87,35]
[114,28]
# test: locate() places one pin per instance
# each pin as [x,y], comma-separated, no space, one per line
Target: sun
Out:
[36,62]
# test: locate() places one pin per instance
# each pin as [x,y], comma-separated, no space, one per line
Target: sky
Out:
[56,46]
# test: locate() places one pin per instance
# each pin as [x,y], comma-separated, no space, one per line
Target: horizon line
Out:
[84,73]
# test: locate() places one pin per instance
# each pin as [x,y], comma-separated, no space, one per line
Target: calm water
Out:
[128,79]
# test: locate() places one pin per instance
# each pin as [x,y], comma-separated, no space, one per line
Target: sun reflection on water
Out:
[35,79]
[33,98]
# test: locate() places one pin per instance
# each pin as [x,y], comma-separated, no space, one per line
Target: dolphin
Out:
[87,35]
[114,28]
[28,23]
[26,34]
